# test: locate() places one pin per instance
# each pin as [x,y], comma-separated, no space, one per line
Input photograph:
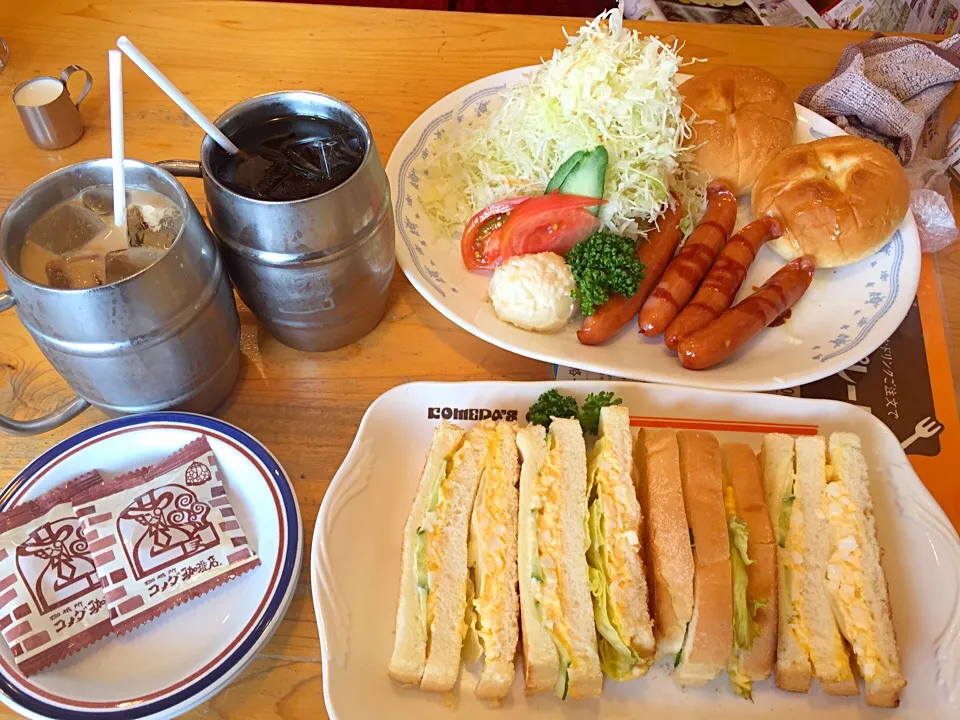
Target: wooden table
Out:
[390,65]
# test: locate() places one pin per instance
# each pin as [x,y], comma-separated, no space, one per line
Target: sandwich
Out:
[804,558]
[433,600]
[409,657]
[709,635]
[855,582]
[556,610]
[753,557]
[493,606]
[616,571]
[666,537]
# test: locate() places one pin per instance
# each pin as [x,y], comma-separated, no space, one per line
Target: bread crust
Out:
[666,539]
[710,634]
[744,116]
[838,199]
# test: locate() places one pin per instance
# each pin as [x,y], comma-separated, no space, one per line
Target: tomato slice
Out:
[553,223]
[480,242]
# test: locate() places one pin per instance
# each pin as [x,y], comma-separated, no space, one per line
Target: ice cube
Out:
[75,271]
[100,199]
[121,264]
[65,228]
[152,226]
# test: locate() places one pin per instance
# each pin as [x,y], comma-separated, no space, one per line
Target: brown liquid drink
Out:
[289,158]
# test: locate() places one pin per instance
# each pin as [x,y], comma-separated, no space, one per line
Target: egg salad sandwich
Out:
[666,536]
[556,610]
[433,579]
[616,571]
[709,635]
[493,606]
[856,585]
[753,557]
[810,642]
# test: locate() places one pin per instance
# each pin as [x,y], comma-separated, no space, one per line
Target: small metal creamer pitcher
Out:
[315,271]
[165,338]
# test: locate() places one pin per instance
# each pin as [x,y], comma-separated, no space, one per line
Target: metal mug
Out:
[165,338]
[316,271]
[49,115]
[4,54]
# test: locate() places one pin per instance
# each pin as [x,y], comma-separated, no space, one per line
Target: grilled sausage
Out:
[720,287]
[686,270]
[655,253]
[728,333]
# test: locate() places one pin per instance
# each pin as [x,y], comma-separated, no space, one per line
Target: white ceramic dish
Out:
[844,316]
[355,560]
[191,652]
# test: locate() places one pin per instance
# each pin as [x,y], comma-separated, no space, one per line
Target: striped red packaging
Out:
[51,601]
[162,535]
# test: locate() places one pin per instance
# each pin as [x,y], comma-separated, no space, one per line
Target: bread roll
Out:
[744,117]
[839,199]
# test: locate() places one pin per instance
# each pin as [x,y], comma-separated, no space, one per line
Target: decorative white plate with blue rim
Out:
[355,561]
[844,316]
[193,651]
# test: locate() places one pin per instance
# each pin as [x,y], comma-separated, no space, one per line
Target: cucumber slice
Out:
[563,679]
[563,171]
[587,177]
[423,587]
[536,571]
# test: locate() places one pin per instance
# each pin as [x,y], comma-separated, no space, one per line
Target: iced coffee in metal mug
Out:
[157,329]
[49,115]
[304,220]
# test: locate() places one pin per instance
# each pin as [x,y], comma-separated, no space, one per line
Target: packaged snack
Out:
[162,535]
[51,602]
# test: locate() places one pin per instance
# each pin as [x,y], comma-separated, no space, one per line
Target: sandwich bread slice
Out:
[556,610]
[615,556]
[855,582]
[410,645]
[493,608]
[753,555]
[666,536]
[778,458]
[707,645]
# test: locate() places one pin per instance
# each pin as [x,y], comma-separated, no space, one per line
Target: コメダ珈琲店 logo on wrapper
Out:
[162,535]
[51,601]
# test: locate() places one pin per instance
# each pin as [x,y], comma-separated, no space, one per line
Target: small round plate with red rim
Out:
[190,653]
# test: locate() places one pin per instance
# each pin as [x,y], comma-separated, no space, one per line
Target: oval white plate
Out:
[355,560]
[191,652]
[844,316]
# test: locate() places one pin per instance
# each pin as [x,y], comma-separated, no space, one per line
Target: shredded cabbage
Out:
[608,86]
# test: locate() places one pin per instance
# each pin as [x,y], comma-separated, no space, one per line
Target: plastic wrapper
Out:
[51,601]
[931,202]
[163,535]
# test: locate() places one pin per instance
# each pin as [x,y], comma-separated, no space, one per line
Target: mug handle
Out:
[46,422]
[181,168]
[70,70]
[4,54]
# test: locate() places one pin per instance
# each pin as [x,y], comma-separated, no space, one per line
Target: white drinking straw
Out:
[116,139]
[131,51]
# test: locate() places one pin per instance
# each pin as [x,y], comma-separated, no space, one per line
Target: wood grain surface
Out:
[390,65]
